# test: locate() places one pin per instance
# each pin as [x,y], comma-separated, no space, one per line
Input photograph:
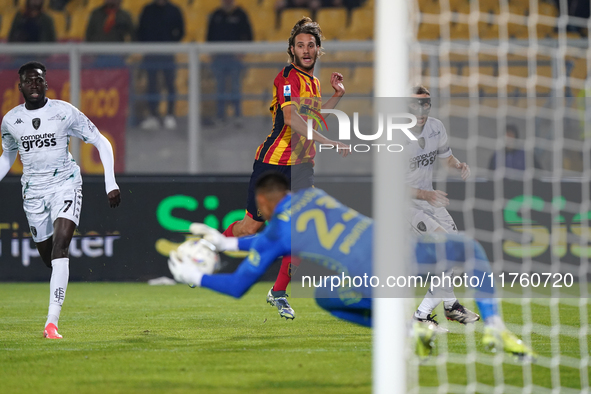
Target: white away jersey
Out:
[421,154]
[42,137]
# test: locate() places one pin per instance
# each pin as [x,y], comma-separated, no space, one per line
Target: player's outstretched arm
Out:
[105,149]
[6,161]
[263,253]
[294,120]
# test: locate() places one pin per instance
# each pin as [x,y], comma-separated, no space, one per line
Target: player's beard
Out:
[304,67]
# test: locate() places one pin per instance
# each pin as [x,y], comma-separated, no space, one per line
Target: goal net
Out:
[509,79]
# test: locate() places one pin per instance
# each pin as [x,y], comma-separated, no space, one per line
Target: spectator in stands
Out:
[58,5]
[341,3]
[228,23]
[160,21]
[32,24]
[514,157]
[312,5]
[578,8]
[109,23]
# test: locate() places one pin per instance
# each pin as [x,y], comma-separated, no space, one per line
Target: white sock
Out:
[428,304]
[495,321]
[57,288]
[449,302]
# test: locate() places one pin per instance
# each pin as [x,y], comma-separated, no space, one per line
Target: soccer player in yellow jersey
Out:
[296,92]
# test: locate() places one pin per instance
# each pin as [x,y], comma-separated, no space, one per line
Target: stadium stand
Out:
[287,18]
[251,85]
[135,7]
[428,31]
[60,22]
[361,25]
[361,83]
[205,6]
[429,7]
[260,18]
[195,25]
[248,4]
[90,5]
[78,23]
[6,18]
[339,24]
[333,22]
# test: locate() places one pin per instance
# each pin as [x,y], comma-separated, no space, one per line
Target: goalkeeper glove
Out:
[184,272]
[212,235]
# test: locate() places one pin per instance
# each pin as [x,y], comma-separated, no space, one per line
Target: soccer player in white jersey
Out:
[40,130]
[427,213]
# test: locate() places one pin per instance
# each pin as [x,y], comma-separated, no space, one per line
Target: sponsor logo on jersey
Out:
[422,142]
[38,141]
[91,126]
[36,123]
[434,133]
[422,227]
[58,117]
[423,160]
[19,121]
[254,257]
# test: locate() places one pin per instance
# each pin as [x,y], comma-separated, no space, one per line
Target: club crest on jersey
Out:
[36,123]
[422,227]
[422,142]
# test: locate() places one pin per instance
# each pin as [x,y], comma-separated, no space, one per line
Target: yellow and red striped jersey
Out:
[292,86]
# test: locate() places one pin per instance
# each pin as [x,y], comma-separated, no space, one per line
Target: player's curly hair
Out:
[31,66]
[305,26]
[420,89]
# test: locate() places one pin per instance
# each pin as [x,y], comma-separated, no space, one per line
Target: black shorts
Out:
[301,176]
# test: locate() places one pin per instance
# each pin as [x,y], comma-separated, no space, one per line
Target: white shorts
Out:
[64,202]
[427,221]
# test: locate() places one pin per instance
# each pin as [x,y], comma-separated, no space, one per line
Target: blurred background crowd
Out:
[236,88]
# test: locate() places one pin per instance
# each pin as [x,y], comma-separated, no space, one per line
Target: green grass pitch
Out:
[135,338]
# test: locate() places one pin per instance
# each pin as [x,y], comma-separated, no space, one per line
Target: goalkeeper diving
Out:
[313,212]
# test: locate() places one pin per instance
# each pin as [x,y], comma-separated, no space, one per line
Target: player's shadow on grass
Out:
[146,338]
